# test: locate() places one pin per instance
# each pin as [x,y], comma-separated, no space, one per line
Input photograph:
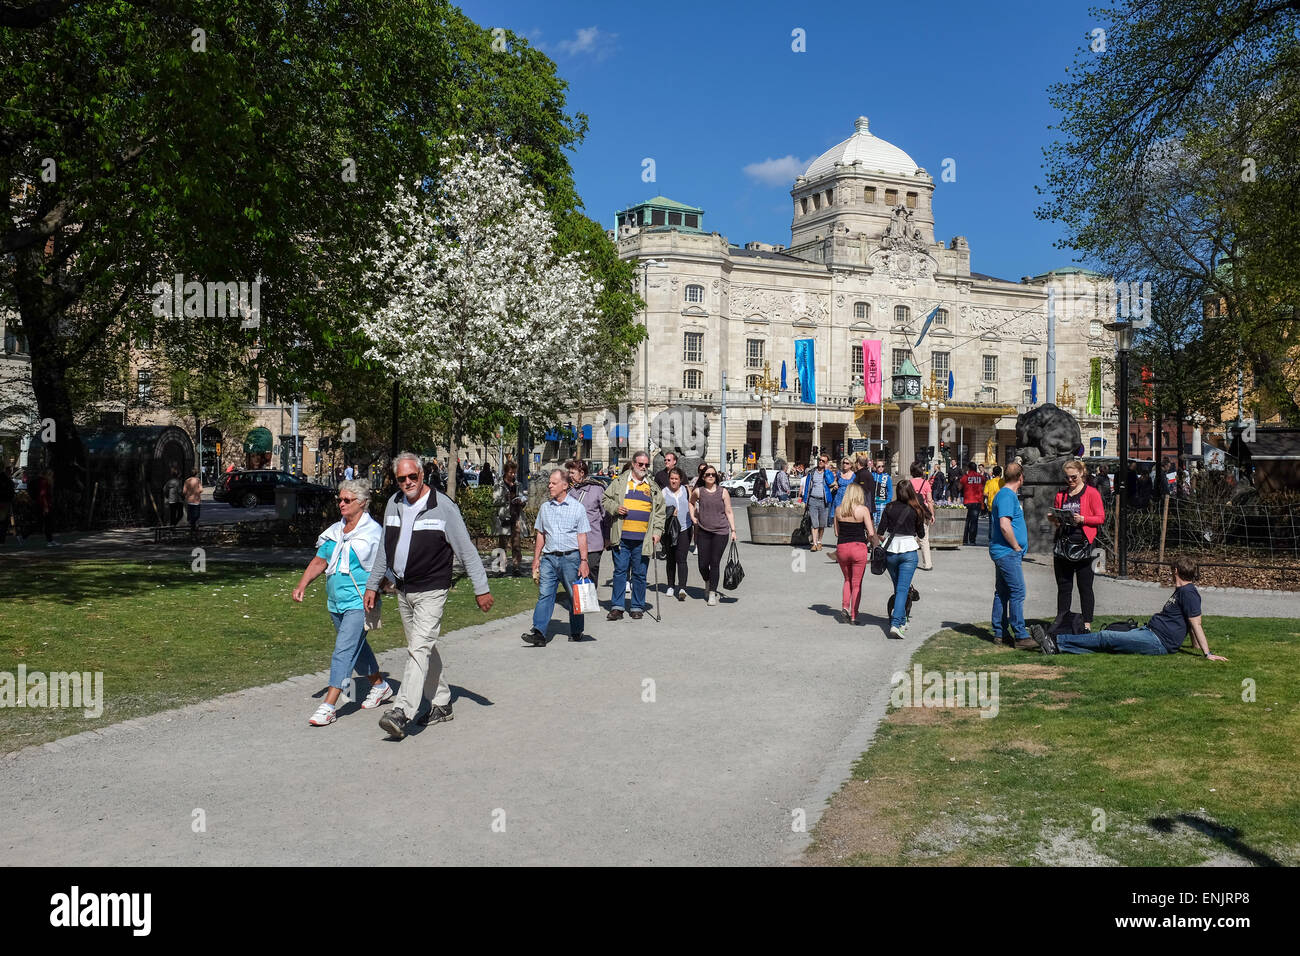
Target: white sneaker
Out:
[379,694]
[713,599]
[325,714]
[668,593]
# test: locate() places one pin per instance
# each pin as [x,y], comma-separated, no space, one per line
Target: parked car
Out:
[742,486]
[248,489]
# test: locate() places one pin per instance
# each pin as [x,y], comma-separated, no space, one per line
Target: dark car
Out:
[248,489]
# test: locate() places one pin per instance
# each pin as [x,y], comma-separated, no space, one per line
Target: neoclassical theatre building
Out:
[862,263]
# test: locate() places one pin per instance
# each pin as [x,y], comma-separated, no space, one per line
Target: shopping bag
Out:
[804,535]
[584,596]
[733,574]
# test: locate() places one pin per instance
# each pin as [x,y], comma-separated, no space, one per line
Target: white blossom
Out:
[476,310]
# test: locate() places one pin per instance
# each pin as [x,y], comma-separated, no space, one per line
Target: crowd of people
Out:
[639,517]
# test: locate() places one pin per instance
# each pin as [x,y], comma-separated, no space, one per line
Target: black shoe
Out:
[636,615]
[578,637]
[843,616]
[435,715]
[615,615]
[534,637]
[1046,643]
[395,722]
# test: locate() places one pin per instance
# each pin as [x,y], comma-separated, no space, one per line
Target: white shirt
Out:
[409,511]
[680,502]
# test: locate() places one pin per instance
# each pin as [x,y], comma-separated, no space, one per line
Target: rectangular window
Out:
[857,361]
[1031,369]
[753,353]
[911,200]
[939,362]
[941,317]
[830,197]
[143,385]
[692,221]
[691,378]
[900,356]
[804,204]
[674,219]
[751,382]
[891,197]
[860,310]
[1027,398]
[694,351]
[695,293]
[991,369]
[271,397]
[869,194]
[656,217]
[817,200]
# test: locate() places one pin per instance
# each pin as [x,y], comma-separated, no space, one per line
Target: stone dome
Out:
[872,151]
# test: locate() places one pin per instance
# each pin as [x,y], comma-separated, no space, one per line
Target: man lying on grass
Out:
[1163,634]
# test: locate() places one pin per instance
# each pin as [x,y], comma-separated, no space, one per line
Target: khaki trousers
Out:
[424,676]
[925,550]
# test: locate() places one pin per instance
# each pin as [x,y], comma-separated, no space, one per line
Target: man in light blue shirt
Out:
[1008,539]
[560,554]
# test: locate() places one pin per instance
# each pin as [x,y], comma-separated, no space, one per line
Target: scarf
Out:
[364,539]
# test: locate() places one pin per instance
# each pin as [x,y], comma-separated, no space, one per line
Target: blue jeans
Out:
[556,567]
[351,649]
[1140,640]
[1009,596]
[902,567]
[628,556]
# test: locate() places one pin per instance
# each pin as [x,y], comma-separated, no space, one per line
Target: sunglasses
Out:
[409,476]
[710,474]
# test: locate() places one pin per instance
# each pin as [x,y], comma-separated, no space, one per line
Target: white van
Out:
[742,486]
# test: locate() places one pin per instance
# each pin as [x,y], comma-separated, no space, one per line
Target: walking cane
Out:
[655,561]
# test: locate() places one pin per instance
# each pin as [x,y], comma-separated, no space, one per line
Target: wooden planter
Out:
[768,525]
[948,528]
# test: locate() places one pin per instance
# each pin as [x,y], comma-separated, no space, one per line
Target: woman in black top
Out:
[902,526]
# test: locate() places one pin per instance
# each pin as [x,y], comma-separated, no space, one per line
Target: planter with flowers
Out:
[774,522]
[949,526]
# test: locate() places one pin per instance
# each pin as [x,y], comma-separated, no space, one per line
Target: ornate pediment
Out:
[903,267]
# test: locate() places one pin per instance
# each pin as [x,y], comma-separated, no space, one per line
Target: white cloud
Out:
[777,172]
[589,40]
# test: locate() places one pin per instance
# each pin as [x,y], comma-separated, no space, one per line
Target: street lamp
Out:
[1123,332]
[646,266]
[934,393]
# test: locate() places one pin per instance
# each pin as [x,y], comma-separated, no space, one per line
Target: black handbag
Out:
[878,556]
[1071,549]
[668,540]
[804,534]
[733,573]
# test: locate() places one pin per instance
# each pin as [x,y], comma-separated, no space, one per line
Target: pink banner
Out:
[871,370]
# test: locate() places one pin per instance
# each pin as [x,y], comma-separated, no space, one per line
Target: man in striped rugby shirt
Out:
[637,506]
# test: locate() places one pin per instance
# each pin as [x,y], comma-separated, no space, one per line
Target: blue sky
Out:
[715,95]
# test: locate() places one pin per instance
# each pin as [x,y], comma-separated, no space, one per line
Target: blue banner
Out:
[925,328]
[1033,391]
[806,368]
[783,385]
[950,386]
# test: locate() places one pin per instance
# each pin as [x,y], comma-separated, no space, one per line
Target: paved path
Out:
[760,707]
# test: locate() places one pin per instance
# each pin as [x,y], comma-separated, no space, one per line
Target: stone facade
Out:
[863,263]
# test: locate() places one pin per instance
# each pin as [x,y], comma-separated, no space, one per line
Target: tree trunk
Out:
[453,459]
[64,454]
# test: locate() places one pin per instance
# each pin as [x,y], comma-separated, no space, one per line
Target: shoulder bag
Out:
[734,573]
[878,555]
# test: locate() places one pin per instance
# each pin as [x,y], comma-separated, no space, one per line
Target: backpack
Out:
[1071,622]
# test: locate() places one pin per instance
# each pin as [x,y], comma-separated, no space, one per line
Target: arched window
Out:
[695,293]
[902,315]
[692,379]
[941,317]
[861,310]
[751,382]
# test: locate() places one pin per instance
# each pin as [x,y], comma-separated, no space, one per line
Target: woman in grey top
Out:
[712,517]
[589,492]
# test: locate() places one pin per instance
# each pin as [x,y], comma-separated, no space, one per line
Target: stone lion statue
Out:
[1046,432]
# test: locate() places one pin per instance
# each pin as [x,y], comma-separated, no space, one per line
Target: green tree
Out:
[1188,110]
[233,141]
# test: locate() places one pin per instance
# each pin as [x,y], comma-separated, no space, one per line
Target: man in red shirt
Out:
[972,496]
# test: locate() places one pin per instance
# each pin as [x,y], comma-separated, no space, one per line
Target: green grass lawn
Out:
[165,636]
[1091,759]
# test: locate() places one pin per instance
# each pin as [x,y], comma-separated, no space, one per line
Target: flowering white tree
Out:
[475,310]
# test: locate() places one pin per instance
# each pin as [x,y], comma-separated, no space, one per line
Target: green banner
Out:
[1094,388]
